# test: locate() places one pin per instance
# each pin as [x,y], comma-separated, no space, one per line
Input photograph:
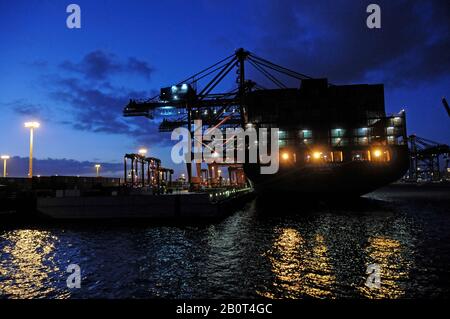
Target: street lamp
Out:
[97,167]
[142,151]
[4,158]
[31,126]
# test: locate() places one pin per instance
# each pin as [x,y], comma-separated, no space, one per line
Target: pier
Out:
[91,198]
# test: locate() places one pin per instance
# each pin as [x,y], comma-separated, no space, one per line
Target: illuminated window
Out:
[397,120]
[337,132]
[306,134]
[282,134]
[336,141]
[390,130]
[336,156]
[363,131]
[391,140]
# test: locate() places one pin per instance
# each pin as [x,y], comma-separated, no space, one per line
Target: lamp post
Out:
[31,126]
[97,168]
[4,158]
[142,151]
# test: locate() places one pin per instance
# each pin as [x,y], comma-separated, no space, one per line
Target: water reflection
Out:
[300,268]
[317,251]
[26,262]
[324,251]
[388,254]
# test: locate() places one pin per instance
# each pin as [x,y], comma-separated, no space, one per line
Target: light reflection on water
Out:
[300,268]
[26,262]
[322,251]
[388,254]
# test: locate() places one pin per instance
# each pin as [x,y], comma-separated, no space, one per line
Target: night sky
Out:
[77,81]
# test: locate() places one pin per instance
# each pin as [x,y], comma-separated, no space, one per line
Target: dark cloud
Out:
[99,65]
[90,102]
[320,38]
[18,167]
[24,108]
[99,109]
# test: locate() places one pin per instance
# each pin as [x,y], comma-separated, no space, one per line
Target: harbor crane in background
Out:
[425,159]
[426,155]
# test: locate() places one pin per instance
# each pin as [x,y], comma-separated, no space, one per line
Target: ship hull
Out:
[329,180]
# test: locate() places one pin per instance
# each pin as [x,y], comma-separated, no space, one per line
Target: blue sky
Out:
[77,81]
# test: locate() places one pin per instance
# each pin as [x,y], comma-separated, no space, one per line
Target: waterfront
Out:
[319,250]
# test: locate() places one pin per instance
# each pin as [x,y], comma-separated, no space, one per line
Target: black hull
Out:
[335,179]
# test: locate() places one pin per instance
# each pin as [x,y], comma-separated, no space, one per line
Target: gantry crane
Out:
[425,158]
[188,100]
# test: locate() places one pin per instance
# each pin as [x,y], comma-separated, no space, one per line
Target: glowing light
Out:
[285,156]
[317,155]
[142,151]
[97,168]
[377,153]
[4,158]
[32,124]
[184,87]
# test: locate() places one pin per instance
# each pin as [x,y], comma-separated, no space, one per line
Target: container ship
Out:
[333,139]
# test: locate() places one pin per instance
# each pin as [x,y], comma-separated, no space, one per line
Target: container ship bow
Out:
[333,139]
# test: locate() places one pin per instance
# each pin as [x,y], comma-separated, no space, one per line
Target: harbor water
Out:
[287,248]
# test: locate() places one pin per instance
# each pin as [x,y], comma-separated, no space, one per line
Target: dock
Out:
[70,198]
[182,206]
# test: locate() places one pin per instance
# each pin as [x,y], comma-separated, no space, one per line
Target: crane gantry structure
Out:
[189,100]
[193,101]
[425,158]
